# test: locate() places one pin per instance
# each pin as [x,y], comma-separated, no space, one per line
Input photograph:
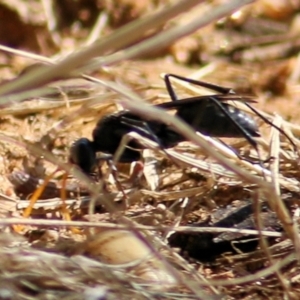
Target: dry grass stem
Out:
[206,219]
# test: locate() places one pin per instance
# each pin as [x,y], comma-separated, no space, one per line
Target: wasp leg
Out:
[213,87]
[114,172]
[217,88]
[36,195]
[39,191]
[63,195]
[214,98]
[266,120]
[222,90]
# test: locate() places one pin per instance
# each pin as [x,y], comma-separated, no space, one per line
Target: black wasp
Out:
[209,115]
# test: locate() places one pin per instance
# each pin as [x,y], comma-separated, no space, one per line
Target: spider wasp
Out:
[209,114]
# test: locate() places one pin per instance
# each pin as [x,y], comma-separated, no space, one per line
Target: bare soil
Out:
[254,51]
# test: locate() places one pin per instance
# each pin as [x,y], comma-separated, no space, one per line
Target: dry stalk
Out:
[120,39]
[102,225]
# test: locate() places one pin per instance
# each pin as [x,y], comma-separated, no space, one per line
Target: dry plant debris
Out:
[66,64]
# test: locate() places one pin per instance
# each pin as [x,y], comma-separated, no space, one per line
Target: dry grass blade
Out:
[123,246]
[209,167]
[109,226]
[255,277]
[26,54]
[168,36]
[119,39]
[275,150]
